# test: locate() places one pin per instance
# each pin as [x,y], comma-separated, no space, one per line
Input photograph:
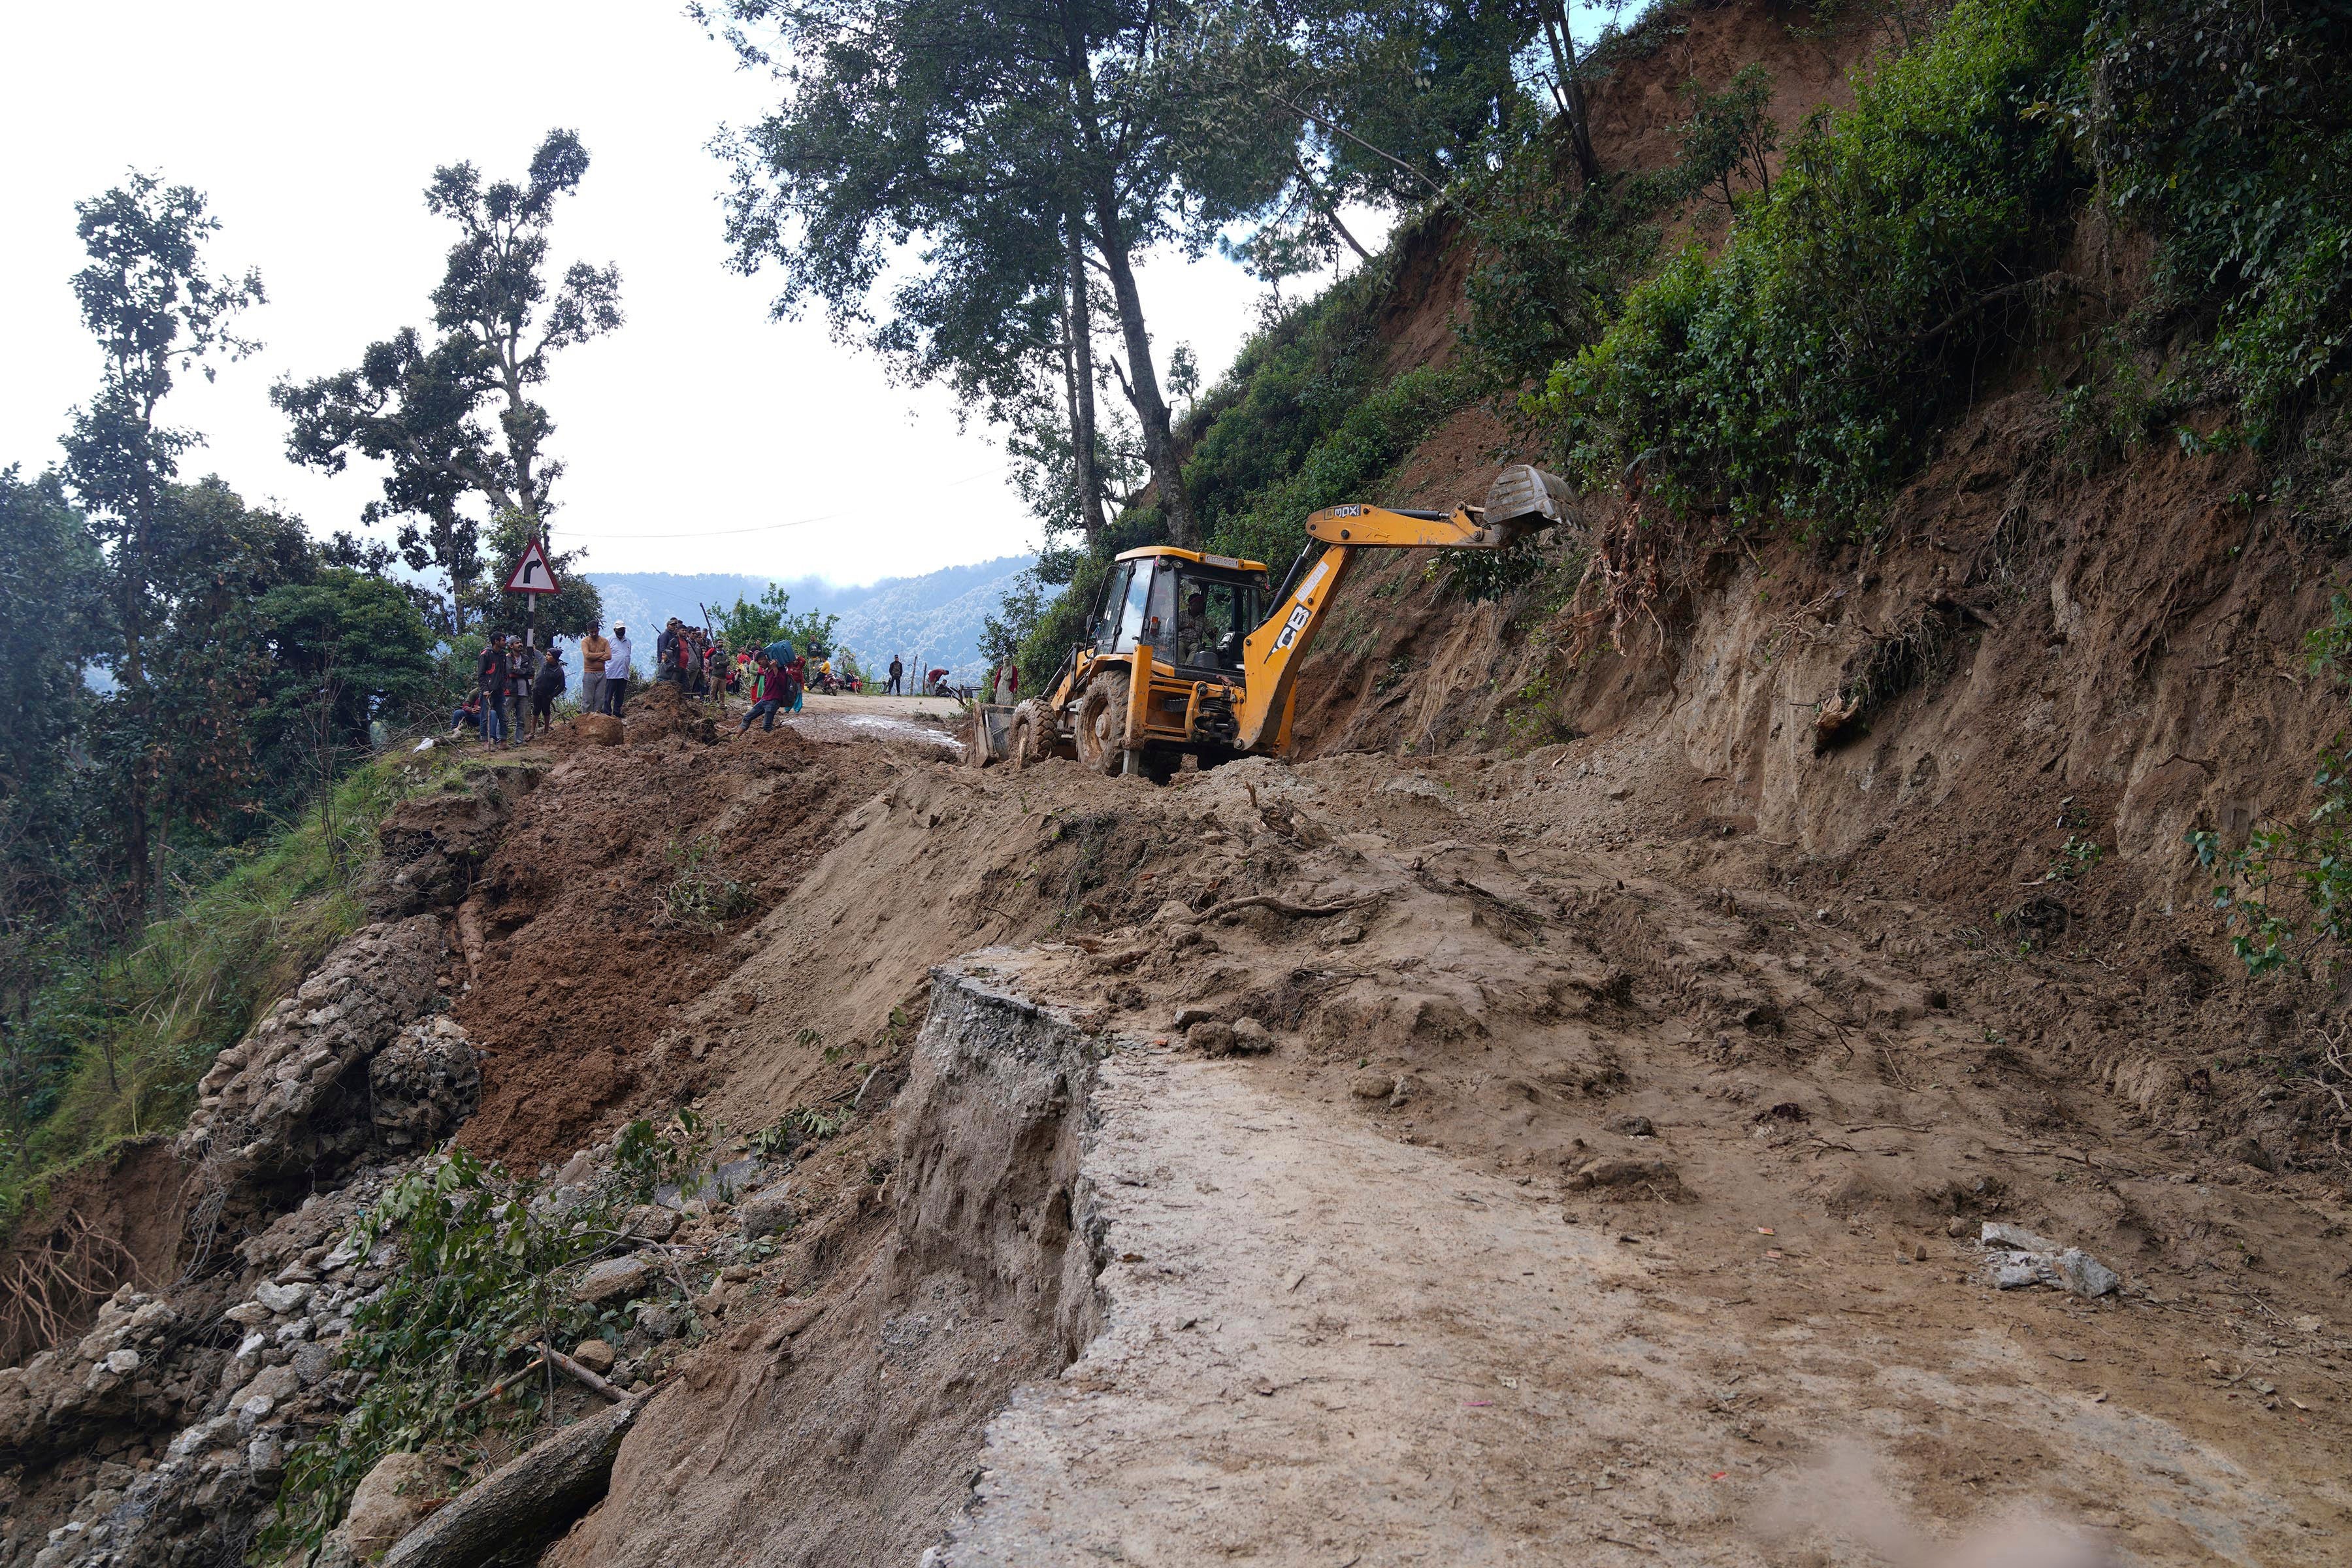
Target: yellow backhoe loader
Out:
[1190,653]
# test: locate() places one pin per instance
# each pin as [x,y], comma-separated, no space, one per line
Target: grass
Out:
[141,1027]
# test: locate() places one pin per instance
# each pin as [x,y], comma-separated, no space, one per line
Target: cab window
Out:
[1209,612]
[1114,601]
[1130,610]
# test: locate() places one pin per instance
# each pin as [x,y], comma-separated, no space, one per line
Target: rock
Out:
[2017,1272]
[735,1273]
[1999,1233]
[1371,1084]
[769,1212]
[311,1364]
[394,1499]
[123,1364]
[1633,1126]
[251,1314]
[2250,1152]
[1620,792]
[2086,1275]
[1187,1016]
[599,729]
[1249,1037]
[281,1299]
[615,1280]
[423,1084]
[1211,1037]
[594,1354]
[652,1222]
[275,1382]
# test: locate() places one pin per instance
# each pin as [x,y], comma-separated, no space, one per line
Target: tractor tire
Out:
[1102,723]
[1026,745]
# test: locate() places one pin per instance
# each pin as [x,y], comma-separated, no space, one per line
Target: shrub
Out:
[1798,373]
[2311,860]
[2225,126]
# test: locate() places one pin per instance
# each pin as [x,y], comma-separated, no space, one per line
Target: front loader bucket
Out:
[1524,499]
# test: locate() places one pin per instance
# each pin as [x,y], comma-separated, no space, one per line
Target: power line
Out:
[769,527]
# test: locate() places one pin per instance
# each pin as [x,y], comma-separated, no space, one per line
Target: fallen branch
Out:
[1285,907]
[502,1384]
[586,1379]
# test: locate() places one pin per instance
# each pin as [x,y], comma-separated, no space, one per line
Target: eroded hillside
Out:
[1718,1051]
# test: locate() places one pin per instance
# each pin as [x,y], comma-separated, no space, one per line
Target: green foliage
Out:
[744,624]
[482,1275]
[700,896]
[2225,125]
[344,648]
[119,1041]
[1554,261]
[49,566]
[1799,374]
[1729,137]
[799,1127]
[648,1158]
[1371,438]
[458,417]
[2309,861]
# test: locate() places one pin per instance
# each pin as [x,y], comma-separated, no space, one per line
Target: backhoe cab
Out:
[1189,653]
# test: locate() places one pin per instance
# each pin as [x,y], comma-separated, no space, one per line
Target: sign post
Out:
[534,576]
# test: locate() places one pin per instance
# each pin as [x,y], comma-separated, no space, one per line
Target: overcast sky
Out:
[687,436]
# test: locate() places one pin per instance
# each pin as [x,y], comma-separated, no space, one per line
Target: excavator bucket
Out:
[1524,499]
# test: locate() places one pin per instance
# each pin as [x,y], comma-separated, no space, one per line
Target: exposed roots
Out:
[49,1286]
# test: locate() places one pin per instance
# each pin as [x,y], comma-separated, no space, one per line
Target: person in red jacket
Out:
[771,696]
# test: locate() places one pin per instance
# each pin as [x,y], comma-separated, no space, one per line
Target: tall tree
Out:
[459,417]
[157,311]
[48,564]
[497,299]
[992,135]
[413,409]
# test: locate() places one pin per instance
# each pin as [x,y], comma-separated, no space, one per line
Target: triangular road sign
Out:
[531,573]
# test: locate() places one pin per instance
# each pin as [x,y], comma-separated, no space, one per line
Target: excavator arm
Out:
[1522,500]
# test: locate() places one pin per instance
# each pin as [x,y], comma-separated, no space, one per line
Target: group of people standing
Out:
[515,689]
[606,664]
[516,686]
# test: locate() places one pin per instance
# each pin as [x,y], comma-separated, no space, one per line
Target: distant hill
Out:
[931,620]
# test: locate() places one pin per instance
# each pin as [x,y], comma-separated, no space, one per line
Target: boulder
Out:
[1211,1037]
[1249,1037]
[615,1280]
[394,1499]
[598,730]
[594,1354]
[281,1299]
[768,1212]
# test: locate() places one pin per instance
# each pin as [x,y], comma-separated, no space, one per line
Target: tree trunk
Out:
[1572,108]
[1078,330]
[1144,383]
[1327,206]
[528,1500]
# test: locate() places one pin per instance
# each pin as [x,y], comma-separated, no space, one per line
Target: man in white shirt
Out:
[617,671]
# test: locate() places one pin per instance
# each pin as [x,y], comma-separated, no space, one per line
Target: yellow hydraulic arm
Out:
[1522,500]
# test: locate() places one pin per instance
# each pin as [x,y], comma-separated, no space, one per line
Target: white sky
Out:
[313,127]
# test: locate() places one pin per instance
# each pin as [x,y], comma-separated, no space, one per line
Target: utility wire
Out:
[772,527]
